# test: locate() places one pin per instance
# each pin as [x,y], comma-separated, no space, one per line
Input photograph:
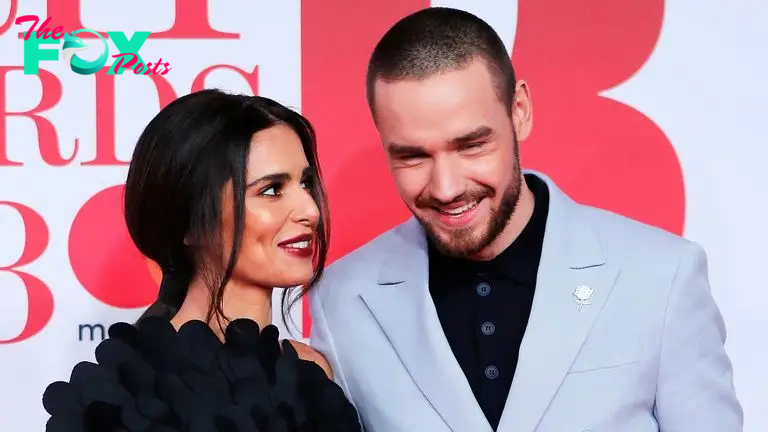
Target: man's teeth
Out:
[460,210]
[299,245]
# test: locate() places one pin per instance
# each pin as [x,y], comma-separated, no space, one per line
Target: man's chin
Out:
[455,242]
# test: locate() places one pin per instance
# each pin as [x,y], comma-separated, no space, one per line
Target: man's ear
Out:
[522,110]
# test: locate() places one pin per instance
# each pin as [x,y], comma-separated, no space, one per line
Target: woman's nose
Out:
[306,211]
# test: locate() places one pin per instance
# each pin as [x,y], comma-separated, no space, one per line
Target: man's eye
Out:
[474,145]
[412,156]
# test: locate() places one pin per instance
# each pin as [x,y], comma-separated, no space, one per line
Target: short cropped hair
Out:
[436,40]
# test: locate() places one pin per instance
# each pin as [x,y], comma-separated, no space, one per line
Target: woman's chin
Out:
[295,281]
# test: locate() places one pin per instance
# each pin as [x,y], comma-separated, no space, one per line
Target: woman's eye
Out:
[271,191]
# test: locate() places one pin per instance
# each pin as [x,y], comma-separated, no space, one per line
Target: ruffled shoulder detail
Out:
[151,378]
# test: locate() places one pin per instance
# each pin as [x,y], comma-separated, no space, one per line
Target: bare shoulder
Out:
[308,353]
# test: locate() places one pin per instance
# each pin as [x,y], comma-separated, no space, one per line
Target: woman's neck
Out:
[240,301]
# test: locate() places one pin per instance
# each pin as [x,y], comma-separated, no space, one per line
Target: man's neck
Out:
[517,222]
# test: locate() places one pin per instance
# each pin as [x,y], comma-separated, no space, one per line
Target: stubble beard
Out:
[463,243]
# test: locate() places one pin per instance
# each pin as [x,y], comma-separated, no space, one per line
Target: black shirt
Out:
[484,307]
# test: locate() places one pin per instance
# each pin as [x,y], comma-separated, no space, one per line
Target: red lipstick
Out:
[300,246]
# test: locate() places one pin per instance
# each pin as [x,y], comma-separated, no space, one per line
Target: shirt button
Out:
[491,372]
[488,328]
[483,289]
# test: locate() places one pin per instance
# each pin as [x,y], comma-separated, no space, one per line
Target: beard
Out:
[464,243]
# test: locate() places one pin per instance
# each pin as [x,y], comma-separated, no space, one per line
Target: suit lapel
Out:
[557,329]
[404,309]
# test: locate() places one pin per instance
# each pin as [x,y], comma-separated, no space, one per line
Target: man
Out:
[503,304]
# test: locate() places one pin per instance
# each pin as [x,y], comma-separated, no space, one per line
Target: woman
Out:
[224,194]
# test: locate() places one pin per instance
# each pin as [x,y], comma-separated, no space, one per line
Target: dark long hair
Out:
[173,193]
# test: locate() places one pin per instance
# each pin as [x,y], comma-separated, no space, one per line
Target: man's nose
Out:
[447,182]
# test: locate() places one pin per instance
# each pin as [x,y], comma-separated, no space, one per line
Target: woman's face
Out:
[280,214]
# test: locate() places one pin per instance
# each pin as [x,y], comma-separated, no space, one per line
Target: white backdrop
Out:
[700,87]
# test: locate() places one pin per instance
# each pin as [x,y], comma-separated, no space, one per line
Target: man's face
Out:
[452,148]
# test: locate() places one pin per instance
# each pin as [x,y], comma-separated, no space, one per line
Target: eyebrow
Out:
[279,177]
[399,150]
[477,134]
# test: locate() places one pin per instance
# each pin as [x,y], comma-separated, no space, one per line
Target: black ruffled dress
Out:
[150,378]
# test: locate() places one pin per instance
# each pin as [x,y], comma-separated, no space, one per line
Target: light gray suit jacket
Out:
[645,355]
